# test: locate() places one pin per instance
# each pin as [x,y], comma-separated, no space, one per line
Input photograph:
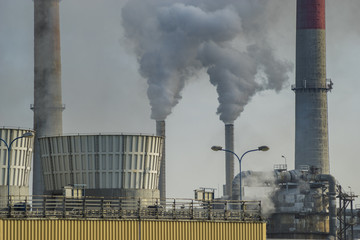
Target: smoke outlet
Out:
[160,131]
[229,158]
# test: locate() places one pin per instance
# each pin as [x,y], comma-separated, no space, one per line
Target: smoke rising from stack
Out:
[173,40]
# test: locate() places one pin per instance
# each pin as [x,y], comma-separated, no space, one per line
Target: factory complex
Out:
[113,186]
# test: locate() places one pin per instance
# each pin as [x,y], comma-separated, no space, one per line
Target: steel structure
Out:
[311,120]
[346,217]
[47,105]
[131,208]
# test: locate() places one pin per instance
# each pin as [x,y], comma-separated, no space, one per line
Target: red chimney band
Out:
[311,14]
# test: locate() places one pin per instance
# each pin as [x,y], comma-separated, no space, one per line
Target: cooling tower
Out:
[160,131]
[20,161]
[47,80]
[311,129]
[106,165]
[229,158]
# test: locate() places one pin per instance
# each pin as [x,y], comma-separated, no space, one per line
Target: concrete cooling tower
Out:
[20,161]
[106,165]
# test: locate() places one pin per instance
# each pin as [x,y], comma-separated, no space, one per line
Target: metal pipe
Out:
[294,176]
[332,201]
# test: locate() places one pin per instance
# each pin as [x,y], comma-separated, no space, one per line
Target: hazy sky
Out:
[104,92]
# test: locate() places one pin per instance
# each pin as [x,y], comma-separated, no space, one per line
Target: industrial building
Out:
[103,186]
[306,207]
[103,165]
[16,155]
[112,186]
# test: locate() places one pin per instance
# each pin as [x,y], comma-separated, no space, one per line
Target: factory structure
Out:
[305,205]
[133,166]
[15,167]
[305,198]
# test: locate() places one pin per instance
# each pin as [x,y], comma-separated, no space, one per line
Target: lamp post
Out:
[219,148]
[8,146]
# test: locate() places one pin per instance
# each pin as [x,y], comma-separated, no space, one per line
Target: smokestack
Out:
[47,80]
[229,158]
[160,131]
[311,136]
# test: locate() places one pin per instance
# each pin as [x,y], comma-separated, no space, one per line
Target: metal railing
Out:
[124,208]
[327,85]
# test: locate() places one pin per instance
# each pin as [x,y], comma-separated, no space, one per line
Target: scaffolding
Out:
[345,214]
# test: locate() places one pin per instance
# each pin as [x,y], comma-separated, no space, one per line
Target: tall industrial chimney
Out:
[47,80]
[311,136]
[229,158]
[160,131]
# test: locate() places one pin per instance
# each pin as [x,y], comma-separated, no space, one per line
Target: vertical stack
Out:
[160,131]
[229,158]
[311,134]
[48,105]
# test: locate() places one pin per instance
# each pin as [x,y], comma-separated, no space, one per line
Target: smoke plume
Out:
[174,39]
[257,186]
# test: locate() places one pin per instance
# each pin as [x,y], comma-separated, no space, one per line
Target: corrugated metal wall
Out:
[129,230]
[101,161]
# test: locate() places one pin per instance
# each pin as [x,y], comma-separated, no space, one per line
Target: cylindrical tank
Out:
[106,165]
[20,161]
[311,133]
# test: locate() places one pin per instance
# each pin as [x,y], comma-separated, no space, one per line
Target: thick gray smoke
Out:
[174,39]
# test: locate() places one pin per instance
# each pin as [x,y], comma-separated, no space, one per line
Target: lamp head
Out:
[28,135]
[216,148]
[263,148]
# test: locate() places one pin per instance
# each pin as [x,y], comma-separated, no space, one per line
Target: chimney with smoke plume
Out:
[47,80]
[175,39]
[311,133]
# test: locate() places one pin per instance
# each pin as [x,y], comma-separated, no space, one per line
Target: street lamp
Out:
[219,148]
[8,146]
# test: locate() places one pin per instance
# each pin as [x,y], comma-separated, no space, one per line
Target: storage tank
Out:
[106,165]
[21,148]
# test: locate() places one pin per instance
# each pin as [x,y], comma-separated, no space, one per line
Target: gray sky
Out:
[104,92]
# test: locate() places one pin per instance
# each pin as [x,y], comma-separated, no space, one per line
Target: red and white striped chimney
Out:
[311,133]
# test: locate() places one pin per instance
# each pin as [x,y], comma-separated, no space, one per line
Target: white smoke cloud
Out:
[257,186]
[173,40]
